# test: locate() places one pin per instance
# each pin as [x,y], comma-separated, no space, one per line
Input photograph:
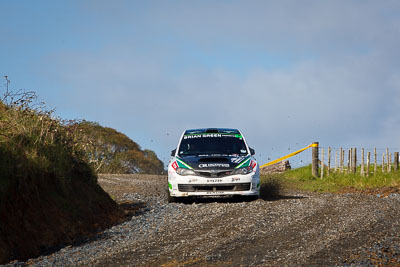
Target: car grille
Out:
[210,174]
[214,187]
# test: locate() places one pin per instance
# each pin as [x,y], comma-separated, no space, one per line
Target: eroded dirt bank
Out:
[39,215]
[297,228]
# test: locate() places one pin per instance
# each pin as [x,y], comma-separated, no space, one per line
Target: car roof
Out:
[212,130]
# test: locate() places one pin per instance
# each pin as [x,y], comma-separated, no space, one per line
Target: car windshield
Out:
[211,144]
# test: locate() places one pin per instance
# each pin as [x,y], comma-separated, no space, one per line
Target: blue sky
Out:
[284,72]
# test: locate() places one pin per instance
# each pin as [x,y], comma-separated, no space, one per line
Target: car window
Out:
[206,144]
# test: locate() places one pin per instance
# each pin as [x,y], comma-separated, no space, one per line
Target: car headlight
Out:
[183,171]
[245,170]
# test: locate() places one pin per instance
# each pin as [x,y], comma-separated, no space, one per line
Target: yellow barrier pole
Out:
[288,156]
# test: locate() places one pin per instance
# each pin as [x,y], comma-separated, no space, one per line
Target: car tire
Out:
[252,198]
[171,199]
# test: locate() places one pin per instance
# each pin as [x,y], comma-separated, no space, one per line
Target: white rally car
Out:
[212,162]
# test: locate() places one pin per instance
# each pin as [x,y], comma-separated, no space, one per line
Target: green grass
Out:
[301,178]
[35,146]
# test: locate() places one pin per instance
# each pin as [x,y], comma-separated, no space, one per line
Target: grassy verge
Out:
[48,191]
[302,179]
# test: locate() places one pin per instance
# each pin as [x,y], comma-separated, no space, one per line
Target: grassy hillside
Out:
[48,192]
[109,151]
[34,143]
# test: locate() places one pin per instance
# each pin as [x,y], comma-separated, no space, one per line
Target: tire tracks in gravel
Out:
[295,229]
[325,236]
[315,229]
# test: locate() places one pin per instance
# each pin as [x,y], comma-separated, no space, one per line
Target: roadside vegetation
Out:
[301,178]
[109,151]
[33,144]
[48,183]
[30,133]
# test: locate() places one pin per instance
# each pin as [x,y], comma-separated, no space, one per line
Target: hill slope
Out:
[49,193]
[109,151]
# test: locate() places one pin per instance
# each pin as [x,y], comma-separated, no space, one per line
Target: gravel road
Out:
[294,229]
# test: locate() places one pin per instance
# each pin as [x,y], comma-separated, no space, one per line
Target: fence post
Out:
[354,161]
[383,162]
[387,159]
[349,161]
[368,162]
[375,159]
[329,160]
[341,160]
[322,162]
[314,161]
[396,161]
[336,166]
[362,162]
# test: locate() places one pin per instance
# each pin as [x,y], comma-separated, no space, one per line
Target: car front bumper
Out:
[184,186]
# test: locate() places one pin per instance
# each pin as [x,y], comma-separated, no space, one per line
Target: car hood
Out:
[215,162]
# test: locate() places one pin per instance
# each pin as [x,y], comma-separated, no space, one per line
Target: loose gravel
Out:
[294,229]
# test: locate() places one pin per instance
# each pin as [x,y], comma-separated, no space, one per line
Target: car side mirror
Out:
[173,152]
[252,151]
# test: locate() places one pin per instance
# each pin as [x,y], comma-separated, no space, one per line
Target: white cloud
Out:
[340,85]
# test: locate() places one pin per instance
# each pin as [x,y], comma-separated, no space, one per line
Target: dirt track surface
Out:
[294,229]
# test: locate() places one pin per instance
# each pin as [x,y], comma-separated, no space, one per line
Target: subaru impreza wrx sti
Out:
[212,162]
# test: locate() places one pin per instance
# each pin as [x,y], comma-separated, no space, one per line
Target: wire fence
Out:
[366,161]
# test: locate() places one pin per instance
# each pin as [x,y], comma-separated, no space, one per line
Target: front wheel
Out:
[171,199]
[252,198]
[244,198]
[249,198]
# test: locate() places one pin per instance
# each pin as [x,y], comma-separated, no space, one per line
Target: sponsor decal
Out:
[193,180]
[214,180]
[211,135]
[201,136]
[253,164]
[182,164]
[215,193]
[214,165]
[235,179]
[174,165]
[237,160]
[244,163]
